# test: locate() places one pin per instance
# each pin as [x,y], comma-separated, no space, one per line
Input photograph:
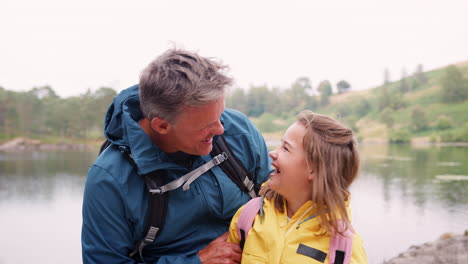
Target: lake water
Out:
[404,196]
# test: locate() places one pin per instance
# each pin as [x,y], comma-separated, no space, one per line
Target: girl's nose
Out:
[273,154]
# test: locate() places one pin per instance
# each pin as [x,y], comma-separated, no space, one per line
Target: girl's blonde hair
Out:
[332,155]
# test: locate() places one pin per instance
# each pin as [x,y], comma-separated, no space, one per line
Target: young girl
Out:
[305,206]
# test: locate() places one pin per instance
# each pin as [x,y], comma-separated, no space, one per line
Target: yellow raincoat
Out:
[276,240]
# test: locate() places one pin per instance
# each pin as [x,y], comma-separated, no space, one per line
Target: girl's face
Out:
[292,176]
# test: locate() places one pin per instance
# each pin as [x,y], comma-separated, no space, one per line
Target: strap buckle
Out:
[155,191]
[220,158]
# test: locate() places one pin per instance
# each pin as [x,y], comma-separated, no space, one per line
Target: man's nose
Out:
[218,128]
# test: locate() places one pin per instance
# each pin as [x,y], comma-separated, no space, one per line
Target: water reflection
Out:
[399,200]
[38,175]
[416,172]
[40,206]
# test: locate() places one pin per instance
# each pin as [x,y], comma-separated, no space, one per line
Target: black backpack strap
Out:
[234,169]
[157,205]
[158,202]
[104,145]
[157,208]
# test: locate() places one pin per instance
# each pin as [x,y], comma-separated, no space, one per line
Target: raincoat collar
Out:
[121,128]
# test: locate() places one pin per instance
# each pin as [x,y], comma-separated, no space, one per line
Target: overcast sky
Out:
[76,45]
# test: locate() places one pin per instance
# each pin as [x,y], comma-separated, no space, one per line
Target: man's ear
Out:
[160,125]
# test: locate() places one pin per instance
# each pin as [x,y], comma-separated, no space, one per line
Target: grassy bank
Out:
[404,111]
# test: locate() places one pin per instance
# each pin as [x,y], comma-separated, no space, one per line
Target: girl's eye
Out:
[285,148]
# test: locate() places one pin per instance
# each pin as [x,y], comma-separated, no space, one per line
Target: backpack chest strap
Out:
[188,178]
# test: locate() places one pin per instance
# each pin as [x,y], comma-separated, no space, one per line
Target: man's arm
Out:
[220,251]
[107,237]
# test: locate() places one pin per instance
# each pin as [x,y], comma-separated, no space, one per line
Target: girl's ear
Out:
[311,175]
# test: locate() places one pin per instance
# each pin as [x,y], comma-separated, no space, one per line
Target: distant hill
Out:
[414,108]
[427,106]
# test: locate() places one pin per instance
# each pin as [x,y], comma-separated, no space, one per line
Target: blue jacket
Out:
[115,200]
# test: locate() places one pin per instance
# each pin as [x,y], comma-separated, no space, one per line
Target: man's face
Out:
[195,127]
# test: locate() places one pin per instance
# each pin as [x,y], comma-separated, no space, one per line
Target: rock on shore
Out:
[449,249]
[26,144]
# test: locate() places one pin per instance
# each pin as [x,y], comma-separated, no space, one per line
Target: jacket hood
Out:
[122,129]
[124,110]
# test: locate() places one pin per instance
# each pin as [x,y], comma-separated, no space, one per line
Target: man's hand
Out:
[220,251]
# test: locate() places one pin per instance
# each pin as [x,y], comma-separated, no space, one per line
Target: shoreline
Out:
[271,140]
[27,144]
[274,139]
[448,249]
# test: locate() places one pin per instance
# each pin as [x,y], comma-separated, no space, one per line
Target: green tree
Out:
[43,92]
[454,85]
[387,117]
[56,116]
[419,75]
[343,110]
[386,76]
[404,86]
[362,107]
[297,97]
[304,83]
[393,100]
[343,86]
[256,100]
[301,90]
[444,122]
[384,100]
[3,110]
[400,136]
[8,105]
[43,96]
[413,84]
[266,123]
[238,100]
[40,111]
[325,90]
[28,107]
[419,119]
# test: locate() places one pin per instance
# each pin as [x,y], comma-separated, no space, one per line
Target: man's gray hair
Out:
[179,78]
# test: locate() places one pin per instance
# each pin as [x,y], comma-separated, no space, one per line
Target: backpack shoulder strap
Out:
[156,214]
[341,246]
[104,145]
[234,169]
[157,204]
[246,218]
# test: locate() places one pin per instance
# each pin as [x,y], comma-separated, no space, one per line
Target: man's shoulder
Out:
[234,114]
[113,163]
[236,122]
[240,132]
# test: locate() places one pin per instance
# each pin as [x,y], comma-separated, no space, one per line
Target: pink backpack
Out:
[340,247]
